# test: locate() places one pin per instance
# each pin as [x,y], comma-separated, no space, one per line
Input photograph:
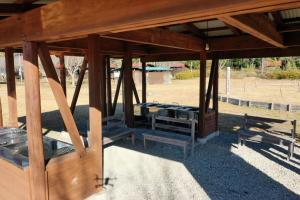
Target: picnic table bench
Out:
[167,137]
[257,129]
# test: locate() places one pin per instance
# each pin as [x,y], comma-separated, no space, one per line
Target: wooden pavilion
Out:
[157,30]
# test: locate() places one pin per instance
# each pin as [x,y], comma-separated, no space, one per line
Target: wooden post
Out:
[144,83]
[216,92]
[95,106]
[11,88]
[201,118]
[103,86]
[33,122]
[62,73]
[60,98]
[1,116]
[79,84]
[128,95]
[108,87]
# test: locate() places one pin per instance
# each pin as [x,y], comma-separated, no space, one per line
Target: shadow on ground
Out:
[221,173]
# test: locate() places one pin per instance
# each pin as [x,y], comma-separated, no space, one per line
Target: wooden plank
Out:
[33,122]
[258,25]
[62,73]
[144,82]
[42,24]
[135,92]
[216,91]
[95,105]
[108,87]
[11,88]
[72,177]
[160,37]
[60,97]
[79,84]
[14,182]
[128,96]
[201,117]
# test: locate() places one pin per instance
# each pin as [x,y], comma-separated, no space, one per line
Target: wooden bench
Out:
[115,129]
[164,123]
[259,129]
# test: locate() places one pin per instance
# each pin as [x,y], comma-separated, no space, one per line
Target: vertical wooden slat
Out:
[202,95]
[95,116]
[62,73]
[210,84]
[11,88]
[144,83]
[108,87]
[60,97]
[78,85]
[1,116]
[33,122]
[216,92]
[128,95]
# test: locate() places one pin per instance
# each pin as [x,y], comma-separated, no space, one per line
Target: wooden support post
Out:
[128,96]
[60,97]
[33,122]
[144,83]
[103,93]
[118,89]
[210,84]
[11,88]
[95,105]
[79,84]
[62,73]
[216,92]
[135,92]
[108,87]
[1,116]
[202,95]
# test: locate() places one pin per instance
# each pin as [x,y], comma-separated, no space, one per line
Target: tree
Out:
[73,65]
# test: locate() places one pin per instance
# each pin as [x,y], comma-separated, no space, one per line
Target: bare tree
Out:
[73,65]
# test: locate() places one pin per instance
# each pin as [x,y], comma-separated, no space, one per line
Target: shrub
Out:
[187,75]
[284,74]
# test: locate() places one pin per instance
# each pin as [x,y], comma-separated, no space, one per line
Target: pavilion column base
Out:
[208,137]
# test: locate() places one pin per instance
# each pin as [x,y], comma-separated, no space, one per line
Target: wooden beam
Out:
[201,117]
[160,37]
[60,98]
[257,25]
[78,85]
[135,92]
[7,9]
[11,88]
[62,73]
[195,30]
[115,103]
[42,24]
[95,105]
[37,178]
[210,84]
[108,87]
[216,90]
[128,96]
[144,82]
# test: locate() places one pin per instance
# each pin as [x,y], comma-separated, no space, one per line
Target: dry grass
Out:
[186,92]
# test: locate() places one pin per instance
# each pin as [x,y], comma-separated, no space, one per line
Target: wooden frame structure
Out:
[127,29]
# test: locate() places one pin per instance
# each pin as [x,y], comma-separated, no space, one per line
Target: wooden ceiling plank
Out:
[42,24]
[257,25]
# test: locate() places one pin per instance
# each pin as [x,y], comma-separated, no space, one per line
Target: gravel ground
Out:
[217,170]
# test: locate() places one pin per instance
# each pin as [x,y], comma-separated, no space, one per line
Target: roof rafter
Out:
[257,25]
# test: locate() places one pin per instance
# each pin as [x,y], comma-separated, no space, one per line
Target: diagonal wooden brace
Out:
[60,97]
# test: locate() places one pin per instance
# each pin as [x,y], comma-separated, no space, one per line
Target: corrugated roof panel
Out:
[290,14]
[211,24]
[177,28]
[220,33]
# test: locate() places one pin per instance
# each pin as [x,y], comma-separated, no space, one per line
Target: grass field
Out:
[184,92]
